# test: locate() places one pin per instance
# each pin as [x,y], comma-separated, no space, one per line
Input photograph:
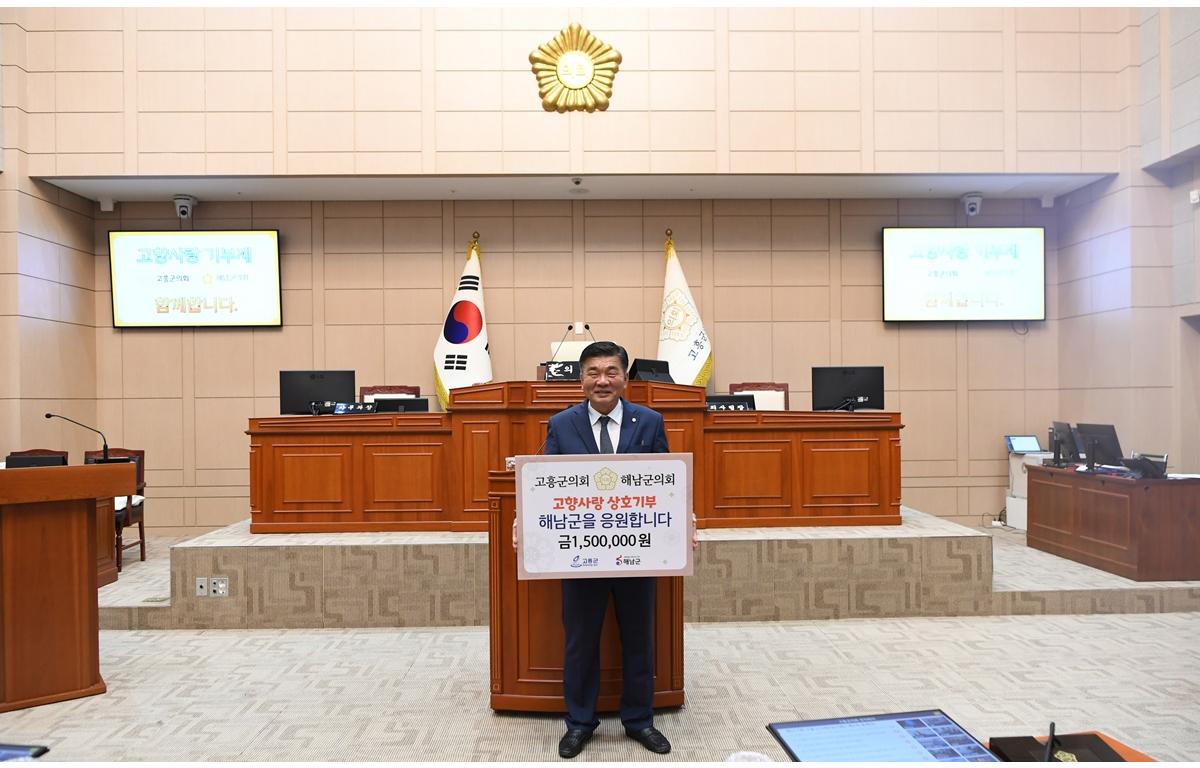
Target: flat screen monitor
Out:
[964,273]
[1100,443]
[24,462]
[193,279]
[402,405]
[298,389]
[928,736]
[1022,444]
[840,389]
[1065,435]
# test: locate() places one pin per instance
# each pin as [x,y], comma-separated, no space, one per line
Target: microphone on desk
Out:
[561,341]
[587,327]
[103,439]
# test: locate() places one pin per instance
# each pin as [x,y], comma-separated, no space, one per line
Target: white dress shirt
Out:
[614,426]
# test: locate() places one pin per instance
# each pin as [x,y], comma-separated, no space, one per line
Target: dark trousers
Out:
[584,602]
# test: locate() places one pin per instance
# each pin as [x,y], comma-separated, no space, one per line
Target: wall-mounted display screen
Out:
[964,273]
[195,279]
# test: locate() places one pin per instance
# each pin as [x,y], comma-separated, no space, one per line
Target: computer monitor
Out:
[1067,449]
[299,388]
[847,389]
[1100,443]
[402,405]
[24,462]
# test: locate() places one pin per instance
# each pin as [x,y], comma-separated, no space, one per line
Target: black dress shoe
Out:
[651,739]
[571,744]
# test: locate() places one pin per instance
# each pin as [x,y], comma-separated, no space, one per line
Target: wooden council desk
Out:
[417,471]
[1145,530]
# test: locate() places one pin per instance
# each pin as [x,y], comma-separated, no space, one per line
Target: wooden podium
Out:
[525,619]
[49,618]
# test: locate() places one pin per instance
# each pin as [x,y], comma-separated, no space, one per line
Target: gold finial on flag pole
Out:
[474,245]
[667,246]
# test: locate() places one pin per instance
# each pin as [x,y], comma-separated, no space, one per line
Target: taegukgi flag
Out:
[461,357]
[682,341]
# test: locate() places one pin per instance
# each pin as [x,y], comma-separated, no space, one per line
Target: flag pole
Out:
[668,245]
[474,245]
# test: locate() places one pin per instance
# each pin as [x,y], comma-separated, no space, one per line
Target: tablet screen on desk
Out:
[1022,443]
[903,737]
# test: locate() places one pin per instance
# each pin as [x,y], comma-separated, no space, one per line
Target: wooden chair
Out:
[768,395]
[128,509]
[388,390]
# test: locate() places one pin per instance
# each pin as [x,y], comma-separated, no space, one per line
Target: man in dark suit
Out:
[607,423]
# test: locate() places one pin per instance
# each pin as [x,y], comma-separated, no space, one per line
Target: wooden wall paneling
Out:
[479,442]
[839,473]
[257,481]
[106,538]
[404,481]
[314,478]
[751,476]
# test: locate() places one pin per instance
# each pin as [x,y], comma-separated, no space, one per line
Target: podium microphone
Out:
[561,341]
[588,328]
[103,439]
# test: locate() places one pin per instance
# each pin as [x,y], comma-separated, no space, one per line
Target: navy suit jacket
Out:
[570,431]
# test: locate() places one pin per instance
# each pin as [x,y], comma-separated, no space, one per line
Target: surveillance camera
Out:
[577,180]
[185,206]
[972,203]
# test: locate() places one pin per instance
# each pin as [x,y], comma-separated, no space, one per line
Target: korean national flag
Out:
[461,357]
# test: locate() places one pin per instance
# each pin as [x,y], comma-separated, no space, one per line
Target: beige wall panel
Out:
[612,233]
[799,268]
[475,50]
[1047,52]
[409,306]
[970,51]
[862,303]
[1047,19]
[423,270]
[471,91]
[986,499]
[971,91]
[543,270]
[862,268]
[409,355]
[613,305]
[153,361]
[170,91]
[631,92]
[682,18]
[828,131]
[619,131]
[320,131]
[741,353]
[358,235]
[904,51]
[533,342]
[761,18]
[387,50]
[88,133]
[155,426]
[1101,131]
[762,131]
[892,19]
[88,51]
[1103,52]
[236,91]
[905,161]
[906,130]
[358,347]
[1151,423]
[388,91]
[683,91]
[536,162]
[971,131]
[169,18]
[796,348]
[906,91]
[829,162]
[361,307]
[616,162]
[418,235]
[762,162]
[827,18]
[533,234]
[216,512]
[109,377]
[387,131]
[615,269]
[88,91]
[535,132]
[762,91]
[870,343]
[238,51]
[542,305]
[176,50]
[930,424]
[469,132]
[683,162]
[238,132]
[865,232]
[1150,364]
[827,51]
[496,231]
[1041,356]
[1102,91]
[224,363]
[320,90]
[992,415]
[237,18]
[934,501]
[828,91]
[996,357]
[970,162]
[682,51]
[320,50]
[353,270]
[741,233]
[1041,408]
[968,19]
[927,357]
[87,18]
[285,349]
[742,303]
[223,443]
[1048,91]
[297,307]
[762,50]
[1048,130]
[742,268]
[799,303]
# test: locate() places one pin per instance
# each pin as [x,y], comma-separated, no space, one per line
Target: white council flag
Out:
[461,357]
[682,341]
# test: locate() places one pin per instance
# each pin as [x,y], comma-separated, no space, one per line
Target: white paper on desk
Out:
[1177,476]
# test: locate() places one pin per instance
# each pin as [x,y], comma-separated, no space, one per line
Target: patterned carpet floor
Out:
[421,695]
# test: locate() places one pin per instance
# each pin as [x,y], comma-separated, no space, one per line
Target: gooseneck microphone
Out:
[561,341]
[103,439]
[587,327]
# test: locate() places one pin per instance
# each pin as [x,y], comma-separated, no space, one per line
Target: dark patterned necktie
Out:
[606,445]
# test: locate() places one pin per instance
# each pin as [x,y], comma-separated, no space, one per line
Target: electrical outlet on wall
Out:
[218,586]
[1194,196]
[201,586]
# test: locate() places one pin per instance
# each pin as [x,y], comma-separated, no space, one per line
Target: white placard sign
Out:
[627,514]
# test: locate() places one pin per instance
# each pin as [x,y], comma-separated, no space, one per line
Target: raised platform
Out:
[925,567]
